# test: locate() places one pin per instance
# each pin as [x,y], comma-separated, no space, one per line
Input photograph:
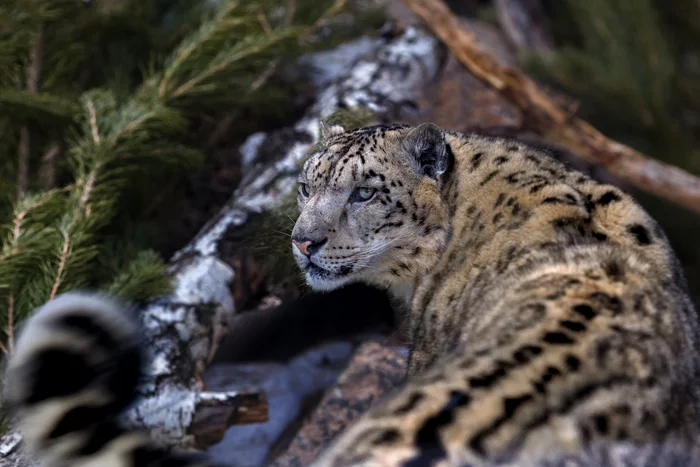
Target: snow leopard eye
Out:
[304,190]
[362,194]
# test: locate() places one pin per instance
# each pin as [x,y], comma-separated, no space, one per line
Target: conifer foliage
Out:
[634,66]
[96,101]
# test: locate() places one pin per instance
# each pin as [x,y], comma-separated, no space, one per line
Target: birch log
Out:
[184,329]
[196,316]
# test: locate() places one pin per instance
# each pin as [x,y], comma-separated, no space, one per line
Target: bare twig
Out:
[265,75]
[545,117]
[225,123]
[3,349]
[220,130]
[204,280]
[197,80]
[23,161]
[36,59]
[23,150]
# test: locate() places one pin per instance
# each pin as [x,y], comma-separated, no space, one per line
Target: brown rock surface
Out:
[375,369]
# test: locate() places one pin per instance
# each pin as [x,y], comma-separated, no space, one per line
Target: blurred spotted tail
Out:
[74,369]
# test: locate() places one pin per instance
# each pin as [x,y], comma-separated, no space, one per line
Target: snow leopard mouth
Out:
[320,278]
[318,272]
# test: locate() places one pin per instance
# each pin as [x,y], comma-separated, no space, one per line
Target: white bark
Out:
[186,328]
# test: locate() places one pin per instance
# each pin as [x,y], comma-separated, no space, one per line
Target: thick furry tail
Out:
[74,369]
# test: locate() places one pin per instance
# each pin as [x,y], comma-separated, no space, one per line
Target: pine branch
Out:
[31,216]
[39,106]
[203,84]
[113,142]
[109,140]
[23,244]
[141,278]
[234,52]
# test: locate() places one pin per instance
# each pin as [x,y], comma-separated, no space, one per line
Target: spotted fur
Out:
[547,312]
[549,318]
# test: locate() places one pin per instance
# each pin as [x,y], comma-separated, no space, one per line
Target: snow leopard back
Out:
[75,369]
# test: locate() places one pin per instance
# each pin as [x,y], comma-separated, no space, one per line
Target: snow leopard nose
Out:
[308,247]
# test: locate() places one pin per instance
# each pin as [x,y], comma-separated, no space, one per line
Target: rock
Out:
[375,369]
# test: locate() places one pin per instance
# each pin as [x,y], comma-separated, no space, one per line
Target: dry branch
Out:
[547,118]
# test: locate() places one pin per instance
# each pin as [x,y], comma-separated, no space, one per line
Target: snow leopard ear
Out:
[426,145]
[328,130]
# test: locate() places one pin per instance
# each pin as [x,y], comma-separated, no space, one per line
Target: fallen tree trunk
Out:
[197,315]
[546,117]
[184,330]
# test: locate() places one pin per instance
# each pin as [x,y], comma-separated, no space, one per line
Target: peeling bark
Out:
[186,328]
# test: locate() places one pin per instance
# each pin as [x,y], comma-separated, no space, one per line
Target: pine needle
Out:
[116,108]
